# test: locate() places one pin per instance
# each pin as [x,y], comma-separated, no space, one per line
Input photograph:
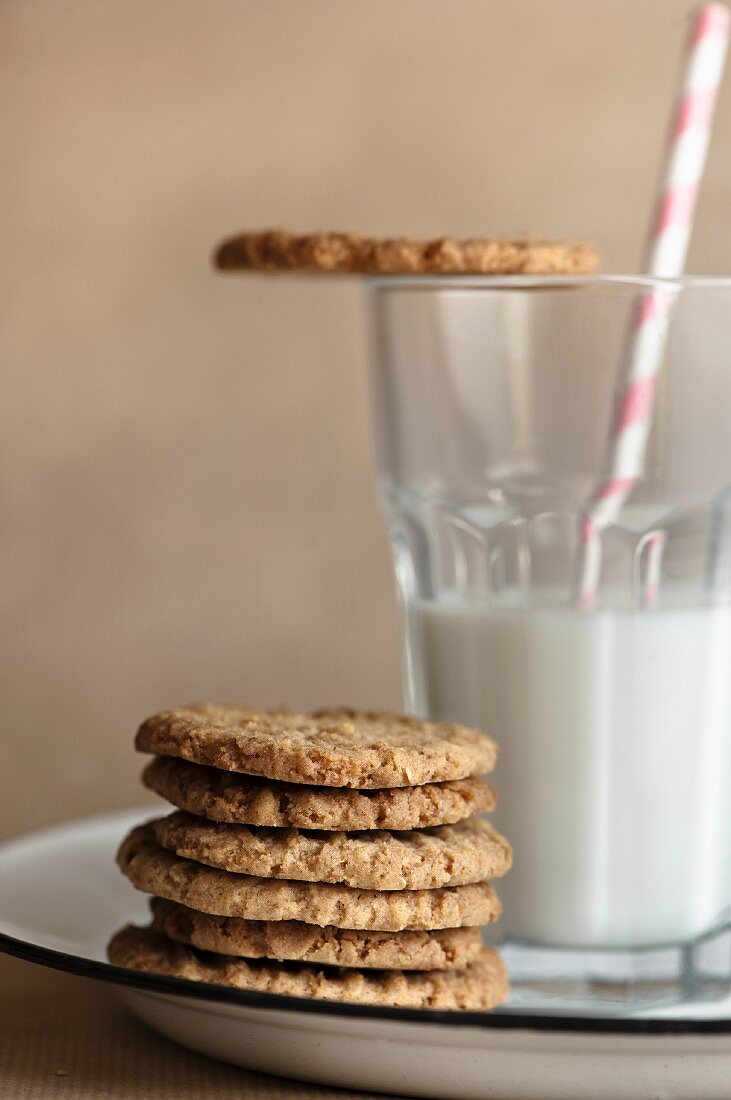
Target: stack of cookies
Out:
[335,855]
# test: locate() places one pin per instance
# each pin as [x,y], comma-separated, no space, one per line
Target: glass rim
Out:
[544,282]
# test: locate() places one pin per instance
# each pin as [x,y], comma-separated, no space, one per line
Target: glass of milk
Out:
[493,405]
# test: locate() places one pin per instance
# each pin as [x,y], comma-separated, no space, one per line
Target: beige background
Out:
[186,507]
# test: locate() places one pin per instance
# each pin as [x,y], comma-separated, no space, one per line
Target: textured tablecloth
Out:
[63,1036]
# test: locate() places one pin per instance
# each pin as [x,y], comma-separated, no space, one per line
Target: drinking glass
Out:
[494,404]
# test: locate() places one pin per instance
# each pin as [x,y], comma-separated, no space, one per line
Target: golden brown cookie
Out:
[450,949]
[253,800]
[280,250]
[448,855]
[482,985]
[154,870]
[330,748]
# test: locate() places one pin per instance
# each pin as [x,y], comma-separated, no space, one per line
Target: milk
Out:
[614,776]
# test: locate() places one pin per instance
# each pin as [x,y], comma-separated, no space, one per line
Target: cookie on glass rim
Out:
[281,250]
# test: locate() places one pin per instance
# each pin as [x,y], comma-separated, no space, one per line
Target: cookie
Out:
[154,870]
[348,253]
[482,985]
[251,800]
[449,855]
[450,949]
[330,748]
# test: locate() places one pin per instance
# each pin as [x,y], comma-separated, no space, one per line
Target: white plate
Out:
[61,897]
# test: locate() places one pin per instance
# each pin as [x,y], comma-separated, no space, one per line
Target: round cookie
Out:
[330,748]
[154,870]
[278,250]
[448,855]
[450,949]
[252,800]
[482,985]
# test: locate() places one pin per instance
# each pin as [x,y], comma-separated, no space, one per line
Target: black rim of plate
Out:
[181,987]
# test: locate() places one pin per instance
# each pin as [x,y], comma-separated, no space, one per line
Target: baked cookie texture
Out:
[331,748]
[482,985]
[252,800]
[450,949]
[281,250]
[425,859]
[154,870]
[337,854]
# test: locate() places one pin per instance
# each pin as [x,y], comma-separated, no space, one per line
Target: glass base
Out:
[618,981]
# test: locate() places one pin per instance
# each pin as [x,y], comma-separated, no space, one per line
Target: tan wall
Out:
[186,507]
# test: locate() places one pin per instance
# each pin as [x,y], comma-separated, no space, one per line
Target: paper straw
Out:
[667,249]
[650,546]
[719,569]
[667,246]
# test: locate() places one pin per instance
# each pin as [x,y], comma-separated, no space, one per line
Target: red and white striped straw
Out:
[667,246]
[666,252]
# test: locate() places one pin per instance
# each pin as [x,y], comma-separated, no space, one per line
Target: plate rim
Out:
[244,998]
[99,970]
